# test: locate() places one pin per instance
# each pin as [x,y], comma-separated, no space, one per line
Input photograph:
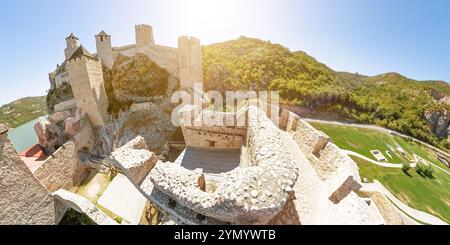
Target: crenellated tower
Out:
[190,62]
[144,36]
[86,76]
[104,49]
[72,43]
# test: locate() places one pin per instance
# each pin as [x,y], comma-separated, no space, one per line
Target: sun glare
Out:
[211,16]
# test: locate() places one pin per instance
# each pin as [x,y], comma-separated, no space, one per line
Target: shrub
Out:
[406,167]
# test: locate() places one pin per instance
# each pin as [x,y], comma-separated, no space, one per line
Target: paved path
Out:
[391,165]
[382,164]
[416,214]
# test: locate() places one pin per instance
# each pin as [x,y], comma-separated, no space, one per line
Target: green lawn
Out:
[363,140]
[425,194]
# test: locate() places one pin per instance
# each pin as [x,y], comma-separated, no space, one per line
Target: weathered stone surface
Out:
[82,205]
[59,116]
[135,159]
[23,200]
[71,125]
[48,135]
[62,170]
[439,122]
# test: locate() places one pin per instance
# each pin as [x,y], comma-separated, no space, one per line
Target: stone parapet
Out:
[338,170]
[251,195]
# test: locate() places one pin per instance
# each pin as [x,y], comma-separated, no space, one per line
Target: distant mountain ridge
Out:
[23,110]
[416,108]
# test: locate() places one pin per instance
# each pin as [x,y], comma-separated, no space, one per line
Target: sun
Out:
[210,15]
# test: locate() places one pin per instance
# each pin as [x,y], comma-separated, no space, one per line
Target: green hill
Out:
[388,100]
[23,110]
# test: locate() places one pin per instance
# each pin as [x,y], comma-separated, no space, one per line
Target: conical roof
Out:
[72,36]
[81,51]
[102,33]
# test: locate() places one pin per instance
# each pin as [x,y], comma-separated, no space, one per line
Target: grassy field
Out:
[431,195]
[363,140]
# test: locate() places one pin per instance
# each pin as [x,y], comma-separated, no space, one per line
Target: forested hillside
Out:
[417,108]
[23,110]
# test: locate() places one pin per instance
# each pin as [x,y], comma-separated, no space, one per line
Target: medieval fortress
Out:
[256,173]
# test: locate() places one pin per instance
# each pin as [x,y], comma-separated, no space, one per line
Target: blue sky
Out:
[411,37]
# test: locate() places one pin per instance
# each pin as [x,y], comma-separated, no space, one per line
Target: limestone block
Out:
[135,159]
[59,116]
[64,106]
[82,205]
[47,134]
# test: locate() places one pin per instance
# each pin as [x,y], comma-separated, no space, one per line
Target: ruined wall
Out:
[331,165]
[215,137]
[23,200]
[212,132]
[88,88]
[250,195]
[62,170]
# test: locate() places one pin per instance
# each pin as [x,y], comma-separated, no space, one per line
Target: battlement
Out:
[190,61]
[144,35]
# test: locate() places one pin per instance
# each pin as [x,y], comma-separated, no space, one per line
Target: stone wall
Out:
[215,138]
[144,35]
[250,195]
[331,165]
[166,57]
[23,200]
[213,132]
[62,170]
[190,62]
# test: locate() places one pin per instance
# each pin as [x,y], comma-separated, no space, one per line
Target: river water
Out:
[24,137]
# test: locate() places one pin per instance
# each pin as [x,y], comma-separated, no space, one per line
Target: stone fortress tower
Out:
[86,76]
[144,36]
[104,49]
[189,62]
[72,45]
[83,71]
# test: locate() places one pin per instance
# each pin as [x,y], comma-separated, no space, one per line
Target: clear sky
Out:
[411,37]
